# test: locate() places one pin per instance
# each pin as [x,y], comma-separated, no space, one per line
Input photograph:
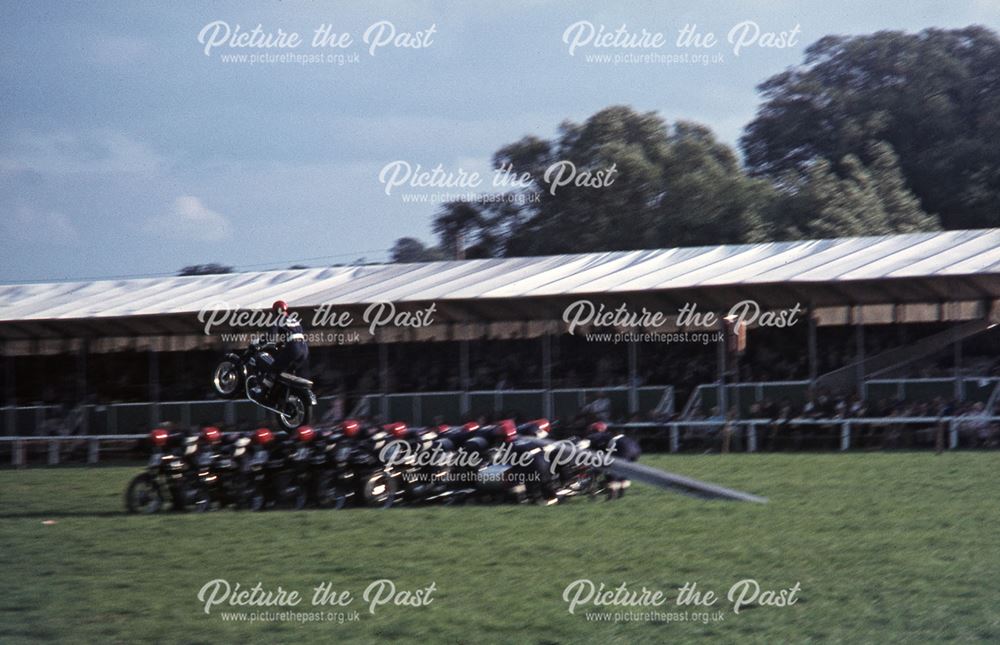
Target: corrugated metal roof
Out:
[837,263]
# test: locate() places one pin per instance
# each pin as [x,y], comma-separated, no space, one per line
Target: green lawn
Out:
[885,547]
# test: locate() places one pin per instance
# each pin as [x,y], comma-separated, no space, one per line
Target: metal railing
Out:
[54,446]
[424,407]
[969,388]
[418,408]
[845,427]
[950,427]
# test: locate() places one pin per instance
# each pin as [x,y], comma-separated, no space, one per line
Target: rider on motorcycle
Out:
[290,342]
[621,447]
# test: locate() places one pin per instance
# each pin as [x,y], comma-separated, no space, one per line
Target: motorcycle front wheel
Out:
[329,494]
[226,379]
[379,490]
[143,495]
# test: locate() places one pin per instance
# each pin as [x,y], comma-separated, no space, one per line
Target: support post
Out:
[154,387]
[53,452]
[383,379]
[952,435]
[675,438]
[721,402]
[633,377]
[813,354]
[81,371]
[463,375]
[959,383]
[93,451]
[9,397]
[859,346]
[547,407]
[83,394]
[752,438]
[845,436]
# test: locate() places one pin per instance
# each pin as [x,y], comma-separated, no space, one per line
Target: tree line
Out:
[883,133]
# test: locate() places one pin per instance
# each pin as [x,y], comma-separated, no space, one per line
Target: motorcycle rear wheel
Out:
[297,411]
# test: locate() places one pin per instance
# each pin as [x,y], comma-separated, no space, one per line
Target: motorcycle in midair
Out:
[246,373]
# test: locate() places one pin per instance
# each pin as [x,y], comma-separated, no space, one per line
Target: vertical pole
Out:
[82,397]
[547,407]
[752,438]
[721,397]
[952,435]
[845,436]
[633,377]
[154,386]
[93,451]
[959,389]
[383,379]
[859,346]
[813,357]
[463,375]
[675,438]
[10,391]
[81,371]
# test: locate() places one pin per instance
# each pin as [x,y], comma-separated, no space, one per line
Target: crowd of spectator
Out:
[353,370]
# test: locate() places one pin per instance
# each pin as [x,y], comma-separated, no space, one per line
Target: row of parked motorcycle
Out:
[360,464]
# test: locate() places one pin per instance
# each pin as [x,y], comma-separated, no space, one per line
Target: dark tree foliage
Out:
[408,249]
[205,269]
[932,97]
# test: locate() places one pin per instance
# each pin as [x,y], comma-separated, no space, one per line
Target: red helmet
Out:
[507,430]
[159,437]
[262,436]
[543,425]
[305,434]
[350,427]
[280,305]
[211,434]
[598,426]
[396,429]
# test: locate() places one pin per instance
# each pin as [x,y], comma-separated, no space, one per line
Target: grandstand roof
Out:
[891,269]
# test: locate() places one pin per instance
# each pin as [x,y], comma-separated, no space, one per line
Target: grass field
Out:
[885,547]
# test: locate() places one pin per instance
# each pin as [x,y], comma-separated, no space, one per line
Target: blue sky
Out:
[126,150]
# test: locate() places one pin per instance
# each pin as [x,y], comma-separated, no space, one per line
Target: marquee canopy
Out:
[933,268]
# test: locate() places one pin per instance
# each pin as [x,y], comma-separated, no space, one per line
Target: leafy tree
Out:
[671,186]
[205,269]
[408,249]
[849,199]
[454,224]
[932,97]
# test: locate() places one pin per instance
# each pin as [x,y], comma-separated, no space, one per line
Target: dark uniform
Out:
[622,447]
[293,352]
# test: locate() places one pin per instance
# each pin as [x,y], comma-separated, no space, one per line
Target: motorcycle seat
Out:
[295,380]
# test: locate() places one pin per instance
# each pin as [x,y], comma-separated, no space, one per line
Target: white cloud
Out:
[190,219]
[27,224]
